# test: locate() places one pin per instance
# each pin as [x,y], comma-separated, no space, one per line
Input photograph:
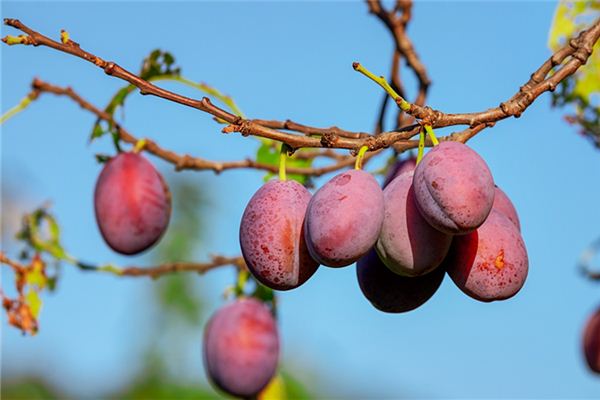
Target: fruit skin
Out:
[392,293]
[400,167]
[272,235]
[490,263]
[454,188]
[591,342]
[407,244]
[241,347]
[344,218]
[503,204]
[132,203]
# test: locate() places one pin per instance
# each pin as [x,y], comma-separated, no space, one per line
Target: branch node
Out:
[329,139]
[109,69]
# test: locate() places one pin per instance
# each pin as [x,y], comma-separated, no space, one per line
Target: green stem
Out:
[421,146]
[381,81]
[360,156]
[282,161]
[431,134]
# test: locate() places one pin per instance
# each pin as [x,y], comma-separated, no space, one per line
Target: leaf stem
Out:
[139,146]
[381,81]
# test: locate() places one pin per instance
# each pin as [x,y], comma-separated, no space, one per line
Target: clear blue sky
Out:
[294,60]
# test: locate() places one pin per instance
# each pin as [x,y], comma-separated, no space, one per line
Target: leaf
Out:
[267,154]
[563,26]
[36,275]
[34,302]
[158,63]
[275,390]
[579,90]
[587,81]
[97,131]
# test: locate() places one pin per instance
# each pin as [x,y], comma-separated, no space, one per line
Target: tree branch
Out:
[577,50]
[186,161]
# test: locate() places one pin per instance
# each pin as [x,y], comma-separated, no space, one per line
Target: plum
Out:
[132,203]
[272,235]
[343,219]
[400,167]
[490,263]
[392,293]
[407,244]
[503,204]
[591,342]
[241,347]
[454,188]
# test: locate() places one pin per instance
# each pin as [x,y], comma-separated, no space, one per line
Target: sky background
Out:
[293,60]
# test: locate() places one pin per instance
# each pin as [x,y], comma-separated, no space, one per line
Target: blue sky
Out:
[293,60]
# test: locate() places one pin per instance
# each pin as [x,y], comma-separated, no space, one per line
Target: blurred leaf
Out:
[34,302]
[97,131]
[294,388]
[563,25]
[581,91]
[28,388]
[275,390]
[159,63]
[178,294]
[36,276]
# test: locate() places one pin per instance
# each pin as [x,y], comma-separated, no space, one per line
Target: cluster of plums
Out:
[443,215]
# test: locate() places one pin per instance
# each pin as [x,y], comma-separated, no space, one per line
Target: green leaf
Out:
[268,154]
[578,91]
[97,131]
[158,63]
[588,76]
[34,302]
[36,276]
[563,26]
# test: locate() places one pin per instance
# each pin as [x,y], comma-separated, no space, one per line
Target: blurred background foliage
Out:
[580,93]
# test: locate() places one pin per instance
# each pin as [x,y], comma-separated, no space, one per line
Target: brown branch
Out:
[582,46]
[397,27]
[16,266]
[185,161]
[169,268]
[579,49]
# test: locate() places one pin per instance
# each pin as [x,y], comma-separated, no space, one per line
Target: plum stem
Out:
[242,279]
[381,81]
[421,146]
[282,160]
[431,134]
[139,146]
[359,157]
